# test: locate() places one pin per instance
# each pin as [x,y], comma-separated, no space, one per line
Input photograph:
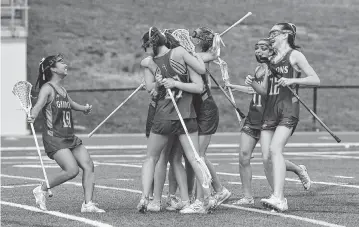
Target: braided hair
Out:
[45,65]
[205,35]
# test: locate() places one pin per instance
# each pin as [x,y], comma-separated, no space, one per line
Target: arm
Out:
[195,62]
[44,95]
[241,88]
[298,59]
[149,71]
[207,56]
[196,86]
[75,106]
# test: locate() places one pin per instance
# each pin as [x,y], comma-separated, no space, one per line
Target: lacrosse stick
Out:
[137,89]
[274,72]
[22,91]
[207,178]
[236,23]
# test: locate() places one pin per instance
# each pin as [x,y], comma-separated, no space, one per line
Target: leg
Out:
[88,178]
[190,176]
[156,143]
[179,171]
[66,160]
[280,137]
[265,139]
[248,144]
[69,170]
[161,171]
[172,183]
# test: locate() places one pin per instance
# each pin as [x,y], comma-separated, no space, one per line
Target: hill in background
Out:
[101,40]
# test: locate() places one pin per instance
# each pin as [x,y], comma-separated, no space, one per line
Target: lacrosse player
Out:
[59,140]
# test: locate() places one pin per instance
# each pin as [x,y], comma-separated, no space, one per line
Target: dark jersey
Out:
[281,103]
[165,109]
[58,116]
[256,106]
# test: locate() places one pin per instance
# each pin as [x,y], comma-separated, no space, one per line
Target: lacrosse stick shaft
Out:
[274,72]
[233,100]
[137,89]
[236,23]
[241,114]
[188,137]
[42,164]
[315,115]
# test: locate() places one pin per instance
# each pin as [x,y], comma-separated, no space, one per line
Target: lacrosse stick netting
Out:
[182,35]
[22,90]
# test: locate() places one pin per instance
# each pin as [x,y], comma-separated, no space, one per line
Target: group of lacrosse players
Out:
[182,117]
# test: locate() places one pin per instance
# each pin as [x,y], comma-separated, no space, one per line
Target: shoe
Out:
[304,177]
[154,206]
[275,203]
[175,203]
[210,205]
[222,196]
[40,197]
[91,207]
[194,208]
[244,201]
[142,205]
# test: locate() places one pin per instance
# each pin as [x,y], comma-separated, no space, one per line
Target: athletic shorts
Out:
[53,143]
[207,116]
[173,127]
[289,122]
[253,131]
[150,117]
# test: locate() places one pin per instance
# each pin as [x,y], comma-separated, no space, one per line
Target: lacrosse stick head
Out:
[22,90]
[182,35]
[224,69]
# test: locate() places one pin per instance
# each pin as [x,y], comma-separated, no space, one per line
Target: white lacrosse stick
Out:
[119,106]
[207,178]
[22,90]
[224,70]
[182,36]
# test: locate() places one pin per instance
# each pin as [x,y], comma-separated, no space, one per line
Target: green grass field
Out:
[101,41]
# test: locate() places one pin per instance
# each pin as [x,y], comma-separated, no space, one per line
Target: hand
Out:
[30,119]
[228,84]
[158,78]
[249,80]
[169,83]
[251,90]
[285,81]
[153,92]
[88,109]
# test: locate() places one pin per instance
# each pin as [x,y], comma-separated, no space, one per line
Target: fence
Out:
[314,104]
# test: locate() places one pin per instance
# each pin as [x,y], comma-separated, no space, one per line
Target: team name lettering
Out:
[282,69]
[63,104]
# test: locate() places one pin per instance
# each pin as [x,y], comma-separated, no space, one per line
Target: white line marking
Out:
[294,180]
[19,185]
[254,176]
[344,177]
[318,222]
[123,179]
[57,214]
[252,163]
[38,166]
[231,145]
[231,182]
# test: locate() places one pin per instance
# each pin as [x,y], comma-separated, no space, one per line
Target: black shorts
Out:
[289,122]
[53,143]
[150,117]
[173,127]
[207,117]
[253,131]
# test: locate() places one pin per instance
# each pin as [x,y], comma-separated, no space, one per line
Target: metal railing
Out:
[315,93]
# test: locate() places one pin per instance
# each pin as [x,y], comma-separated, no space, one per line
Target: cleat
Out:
[40,197]
[304,177]
[244,201]
[91,207]
[142,205]
[194,208]
[222,196]
[154,206]
[275,204]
